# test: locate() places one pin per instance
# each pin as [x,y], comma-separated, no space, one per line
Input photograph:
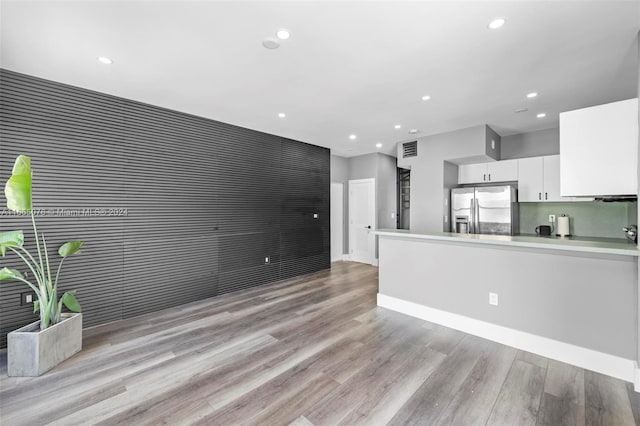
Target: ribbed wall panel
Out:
[206,201]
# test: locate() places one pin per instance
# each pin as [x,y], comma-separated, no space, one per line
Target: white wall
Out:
[383,169]
[531,144]
[339,173]
[386,196]
[428,192]
[339,169]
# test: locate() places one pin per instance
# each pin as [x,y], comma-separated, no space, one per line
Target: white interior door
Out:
[337,222]
[362,219]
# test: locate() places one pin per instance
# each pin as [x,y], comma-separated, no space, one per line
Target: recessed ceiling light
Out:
[532,94]
[352,137]
[496,23]
[282,115]
[105,60]
[270,43]
[413,131]
[397,126]
[283,34]
[378,145]
[426,97]
[541,115]
[517,111]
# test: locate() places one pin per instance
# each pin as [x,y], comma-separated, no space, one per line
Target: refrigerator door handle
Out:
[472,219]
[477,203]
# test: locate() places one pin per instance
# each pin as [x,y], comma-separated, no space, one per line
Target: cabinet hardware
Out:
[484,176]
[489,176]
[539,195]
[545,195]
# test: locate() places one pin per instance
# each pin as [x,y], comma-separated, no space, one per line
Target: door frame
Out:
[372,238]
[339,188]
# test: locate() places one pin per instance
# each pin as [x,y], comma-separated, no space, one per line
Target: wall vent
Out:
[410,149]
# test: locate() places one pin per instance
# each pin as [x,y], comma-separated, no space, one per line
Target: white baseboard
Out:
[347,258]
[343,258]
[611,365]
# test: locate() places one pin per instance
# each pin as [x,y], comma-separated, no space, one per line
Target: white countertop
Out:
[618,246]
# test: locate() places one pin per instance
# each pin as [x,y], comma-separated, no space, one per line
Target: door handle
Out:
[367,227]
[472,217]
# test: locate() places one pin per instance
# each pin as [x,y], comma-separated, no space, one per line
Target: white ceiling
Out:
[349,67]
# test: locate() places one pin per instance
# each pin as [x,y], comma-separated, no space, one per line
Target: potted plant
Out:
[40,346]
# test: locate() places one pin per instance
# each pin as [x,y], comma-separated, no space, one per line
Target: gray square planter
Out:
[32,352]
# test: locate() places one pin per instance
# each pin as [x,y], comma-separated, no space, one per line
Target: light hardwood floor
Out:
[314,350]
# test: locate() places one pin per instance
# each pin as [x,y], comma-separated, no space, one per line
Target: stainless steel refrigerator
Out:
[485,210]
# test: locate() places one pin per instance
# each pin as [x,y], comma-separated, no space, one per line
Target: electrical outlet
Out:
[552,218]
[27,298]
[315,215]
[493,299]
[267,260]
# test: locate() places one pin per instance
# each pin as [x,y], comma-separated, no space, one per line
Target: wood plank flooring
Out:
[314,350]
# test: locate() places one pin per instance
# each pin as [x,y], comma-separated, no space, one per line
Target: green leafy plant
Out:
[19,199]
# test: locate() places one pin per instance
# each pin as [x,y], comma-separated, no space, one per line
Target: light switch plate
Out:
[493,299]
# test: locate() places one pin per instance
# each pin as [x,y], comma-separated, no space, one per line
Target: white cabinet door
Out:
[551,185]
[599,150]
[472,173]
[502,171]
[539,180]
[530,179]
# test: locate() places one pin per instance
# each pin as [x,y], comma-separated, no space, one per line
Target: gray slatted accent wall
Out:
[206,201]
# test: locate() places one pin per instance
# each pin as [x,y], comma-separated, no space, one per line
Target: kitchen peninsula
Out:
[574,300]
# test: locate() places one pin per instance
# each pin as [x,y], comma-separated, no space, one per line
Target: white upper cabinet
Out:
[539,180]
[551,179]
[599,150]
[472,173]
[502,171]
[530,179]
[493,171]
